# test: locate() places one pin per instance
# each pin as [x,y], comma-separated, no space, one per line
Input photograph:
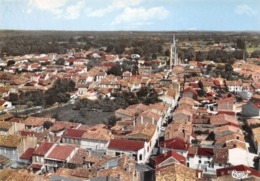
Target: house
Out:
[84,158]
[26,157]
[223,119]
[19,174]
[77,174]
[168,158]
[96,138]
[176,172]
[221,158]
[234,86]
[177,145]
[135,84]
[10,145]
[170,97]
[238,154]
[135,148]
[148,133]
[226,105]
[251,109]
[227,130]
[59,156]
[72,136]
[256,138]
[38,164]
[36,123]
[59,127]
[182,114]
[178,129]
[201,158]
[190,93]
[125,113]
[10,128]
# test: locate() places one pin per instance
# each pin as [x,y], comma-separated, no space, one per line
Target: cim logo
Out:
[240,174]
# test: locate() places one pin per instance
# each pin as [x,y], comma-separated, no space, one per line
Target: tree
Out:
[255,54]
[10,62]
[93,62]
[111,121]
[60,61]
[167,53]
[241,44]
[115,70]
[139,51]
[47,124]
[154,56]
[110,48]
[200,56]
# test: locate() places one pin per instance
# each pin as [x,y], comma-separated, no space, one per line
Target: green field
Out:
[251,49]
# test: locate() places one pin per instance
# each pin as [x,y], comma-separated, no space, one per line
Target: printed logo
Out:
[240,174]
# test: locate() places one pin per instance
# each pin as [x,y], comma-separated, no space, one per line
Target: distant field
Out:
[250,50]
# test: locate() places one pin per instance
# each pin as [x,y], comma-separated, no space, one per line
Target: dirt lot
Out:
[66,113]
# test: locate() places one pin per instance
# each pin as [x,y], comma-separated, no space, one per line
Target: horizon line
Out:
[257,31]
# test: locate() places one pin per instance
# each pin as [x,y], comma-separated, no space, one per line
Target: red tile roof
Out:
[43,149]
[27,155]
[161,158]
[175,143]
[189,89]
[35,166]
[231,113]
[227,171]
[256,104]
[61,152]
[126,145]
[73,133]
[229,99]
[205,151]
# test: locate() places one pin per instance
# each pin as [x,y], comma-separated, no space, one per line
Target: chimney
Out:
[48,138]
[199,174]
[23,145]
[134,123]
[15,128]
[142,120]
[153,120]
[118,176]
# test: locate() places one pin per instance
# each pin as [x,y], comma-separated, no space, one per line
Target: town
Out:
[185,109]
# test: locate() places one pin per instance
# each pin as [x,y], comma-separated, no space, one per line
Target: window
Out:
[220,164]
[208,157]
[199,161]
[199,156]
[141,157]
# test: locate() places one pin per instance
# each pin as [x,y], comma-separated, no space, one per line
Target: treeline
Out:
[218,56]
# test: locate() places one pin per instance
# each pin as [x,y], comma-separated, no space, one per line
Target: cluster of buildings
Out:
[203,129]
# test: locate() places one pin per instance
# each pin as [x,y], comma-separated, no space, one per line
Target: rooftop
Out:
[60,152]
[128,145]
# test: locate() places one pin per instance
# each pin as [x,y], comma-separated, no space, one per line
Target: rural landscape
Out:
[152,103]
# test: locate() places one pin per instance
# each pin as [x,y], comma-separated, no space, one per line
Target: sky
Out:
[140,15]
